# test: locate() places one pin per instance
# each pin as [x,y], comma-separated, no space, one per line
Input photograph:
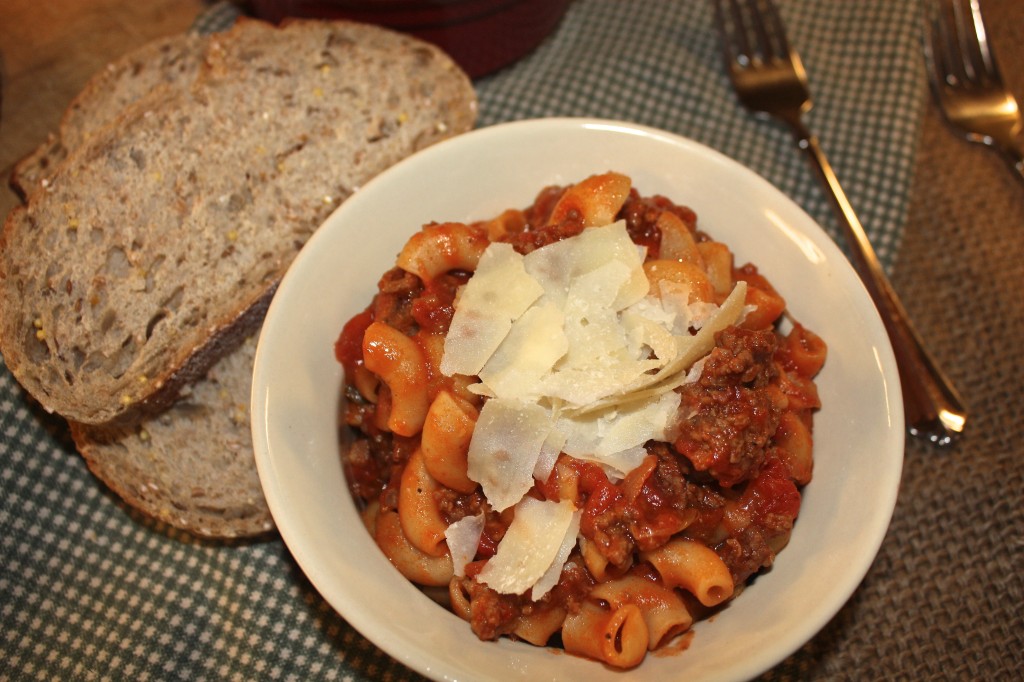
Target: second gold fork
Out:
[966,81]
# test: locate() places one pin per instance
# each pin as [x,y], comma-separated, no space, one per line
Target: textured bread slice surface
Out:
[172,60]
[109,291]
[161,238]
[191,466]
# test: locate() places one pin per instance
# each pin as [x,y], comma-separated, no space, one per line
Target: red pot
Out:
[481,35]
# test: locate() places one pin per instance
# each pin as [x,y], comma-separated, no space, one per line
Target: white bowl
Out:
[859,432]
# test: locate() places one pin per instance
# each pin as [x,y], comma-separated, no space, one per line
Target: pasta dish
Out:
[579,424]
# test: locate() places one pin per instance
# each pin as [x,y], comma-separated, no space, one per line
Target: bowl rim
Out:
[434,665]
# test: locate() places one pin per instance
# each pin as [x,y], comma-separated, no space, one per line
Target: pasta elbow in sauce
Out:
[581,417]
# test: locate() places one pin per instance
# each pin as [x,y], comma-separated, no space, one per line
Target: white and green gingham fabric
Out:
[91,590]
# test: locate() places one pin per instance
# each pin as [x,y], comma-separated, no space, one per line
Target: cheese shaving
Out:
[535,342]
[554,572]
[531,546]
[503,452]
[463,538]
[501,292]
[689,349]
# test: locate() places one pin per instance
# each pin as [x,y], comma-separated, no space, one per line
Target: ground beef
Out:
[730,414]
[641,215]
[673,488]
[491,614]
[531,240]
[455,506]
[539,212]
[394,303]
[663,506]
[610,532]
[434,307]
[745,554]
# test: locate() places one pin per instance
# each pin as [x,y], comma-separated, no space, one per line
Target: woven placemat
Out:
[90,589]
[944,599]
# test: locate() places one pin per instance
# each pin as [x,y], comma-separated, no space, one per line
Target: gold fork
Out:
[966,81]
[769,78]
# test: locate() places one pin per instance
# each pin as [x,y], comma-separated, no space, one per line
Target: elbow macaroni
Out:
[421,520]
[693,566]
[661,607]
[440,248]
[447,430]
[617,636]
[399,362]
[655,550]
[594,202]
[417,566]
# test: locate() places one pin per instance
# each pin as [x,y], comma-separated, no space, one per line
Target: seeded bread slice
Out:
[159,241]
[171,60]
[191,466]
[111,306]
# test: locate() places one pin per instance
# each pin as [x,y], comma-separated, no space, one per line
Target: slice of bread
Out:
[170,60]
[160,239]
[192,465]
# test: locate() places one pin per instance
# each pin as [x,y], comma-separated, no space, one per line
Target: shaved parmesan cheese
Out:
[549,452]
[600,245]
[554,572]
[674,300]
[636,424]
[531,545]
[498,293]
[504,449]
[616,438]
[570,333]
[535,342]
[552,268]
[581,387]
[591,323]
[689,350]
[648,325]
[463,538]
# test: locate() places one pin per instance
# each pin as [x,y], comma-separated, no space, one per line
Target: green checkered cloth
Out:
[90,589]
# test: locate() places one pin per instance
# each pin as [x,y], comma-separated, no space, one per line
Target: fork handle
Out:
[932,406]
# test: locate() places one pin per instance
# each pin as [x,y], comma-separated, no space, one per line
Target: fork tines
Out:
[754,29]
[957,28]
